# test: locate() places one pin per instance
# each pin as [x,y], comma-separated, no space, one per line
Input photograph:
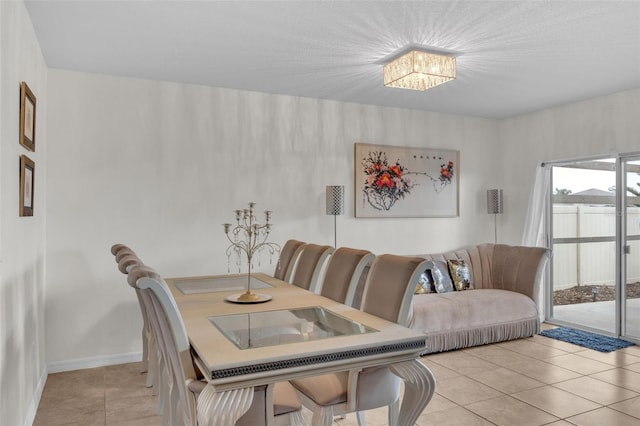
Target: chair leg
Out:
[151,375]
[164,401]
[160,387]
[145,351]
[394,411]
[174,400]
[152,366]
[361,420]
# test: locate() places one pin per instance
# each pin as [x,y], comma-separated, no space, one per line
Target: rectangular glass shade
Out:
[259,329]
[418,70]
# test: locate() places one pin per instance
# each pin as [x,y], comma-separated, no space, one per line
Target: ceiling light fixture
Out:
[419,70]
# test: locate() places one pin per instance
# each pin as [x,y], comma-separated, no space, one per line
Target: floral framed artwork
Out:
[393,181]
[27,172]
[27,117]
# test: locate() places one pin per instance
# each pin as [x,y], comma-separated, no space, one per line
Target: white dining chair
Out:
[306,274]
[287,259]
[152,361]
[126,259]
[277,403]
[344,269]
[387,294]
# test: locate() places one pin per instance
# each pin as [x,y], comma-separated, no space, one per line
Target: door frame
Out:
[623,244]
[621,160]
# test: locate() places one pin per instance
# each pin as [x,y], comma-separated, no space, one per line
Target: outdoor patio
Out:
[599,315]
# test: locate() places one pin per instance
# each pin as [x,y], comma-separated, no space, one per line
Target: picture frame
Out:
[393,181]
[27,185]
[27,117]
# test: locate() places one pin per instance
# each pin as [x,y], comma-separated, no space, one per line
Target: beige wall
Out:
[600,126]
[22,239]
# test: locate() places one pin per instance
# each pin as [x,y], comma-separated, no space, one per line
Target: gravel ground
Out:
[584,294]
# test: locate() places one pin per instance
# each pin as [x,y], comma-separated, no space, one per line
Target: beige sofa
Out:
[502,305]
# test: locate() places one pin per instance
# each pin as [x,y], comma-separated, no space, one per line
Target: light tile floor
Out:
[534,381]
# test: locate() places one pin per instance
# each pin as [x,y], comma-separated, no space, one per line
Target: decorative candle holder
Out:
[249,237]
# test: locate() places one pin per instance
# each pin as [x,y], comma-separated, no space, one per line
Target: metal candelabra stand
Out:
[250,237]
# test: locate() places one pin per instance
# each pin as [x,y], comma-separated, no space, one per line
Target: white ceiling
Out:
[514,56]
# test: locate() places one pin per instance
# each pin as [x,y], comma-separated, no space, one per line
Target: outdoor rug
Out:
[586,340]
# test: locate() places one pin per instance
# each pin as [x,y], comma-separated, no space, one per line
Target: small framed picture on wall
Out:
[27,117]
[27,172]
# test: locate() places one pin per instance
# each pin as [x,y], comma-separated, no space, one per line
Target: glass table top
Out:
[220,283]
[271,328]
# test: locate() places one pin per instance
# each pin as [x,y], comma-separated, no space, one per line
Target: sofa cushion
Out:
[440,273]
[473,317]
[425,284]
[460,274]
[331,389]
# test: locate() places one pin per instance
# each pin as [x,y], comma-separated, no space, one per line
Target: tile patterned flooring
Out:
[534,381]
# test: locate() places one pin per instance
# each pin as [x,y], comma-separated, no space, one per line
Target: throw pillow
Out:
[440,273]
[425,284]
[460,274]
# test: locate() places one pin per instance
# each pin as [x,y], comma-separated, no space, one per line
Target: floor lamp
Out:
[335,207]
[495,206]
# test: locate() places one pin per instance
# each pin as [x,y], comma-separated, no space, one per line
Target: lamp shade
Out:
[494,201]
[335,200]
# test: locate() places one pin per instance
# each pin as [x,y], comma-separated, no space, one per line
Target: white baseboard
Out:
[100,361]
[35,402]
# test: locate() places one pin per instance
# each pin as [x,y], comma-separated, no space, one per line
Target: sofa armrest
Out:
[516,268]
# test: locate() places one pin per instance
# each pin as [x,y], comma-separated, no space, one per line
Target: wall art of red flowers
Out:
[384,183]
[446,172]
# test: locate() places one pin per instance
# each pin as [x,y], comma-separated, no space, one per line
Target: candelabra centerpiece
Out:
[249,237]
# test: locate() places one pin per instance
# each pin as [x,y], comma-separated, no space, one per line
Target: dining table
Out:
[293,334]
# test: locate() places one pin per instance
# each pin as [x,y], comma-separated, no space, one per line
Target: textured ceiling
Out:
[513,56]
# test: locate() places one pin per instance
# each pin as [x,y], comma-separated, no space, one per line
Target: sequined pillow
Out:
[440,273]
[460,275]
[425,284]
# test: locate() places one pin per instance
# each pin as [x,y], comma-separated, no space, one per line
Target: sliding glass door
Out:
[595,237]
[583,229]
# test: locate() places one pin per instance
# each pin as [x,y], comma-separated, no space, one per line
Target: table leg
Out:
[419,386]
[223,408]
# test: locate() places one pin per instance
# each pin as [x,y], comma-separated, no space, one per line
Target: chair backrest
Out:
[343,273]
[144,278]
[123,253]
[309,265]
[117,247]
[127,262]
[288,256]
[390,286]
[170,333]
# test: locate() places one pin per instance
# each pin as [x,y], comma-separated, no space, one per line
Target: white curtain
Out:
[535,227]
